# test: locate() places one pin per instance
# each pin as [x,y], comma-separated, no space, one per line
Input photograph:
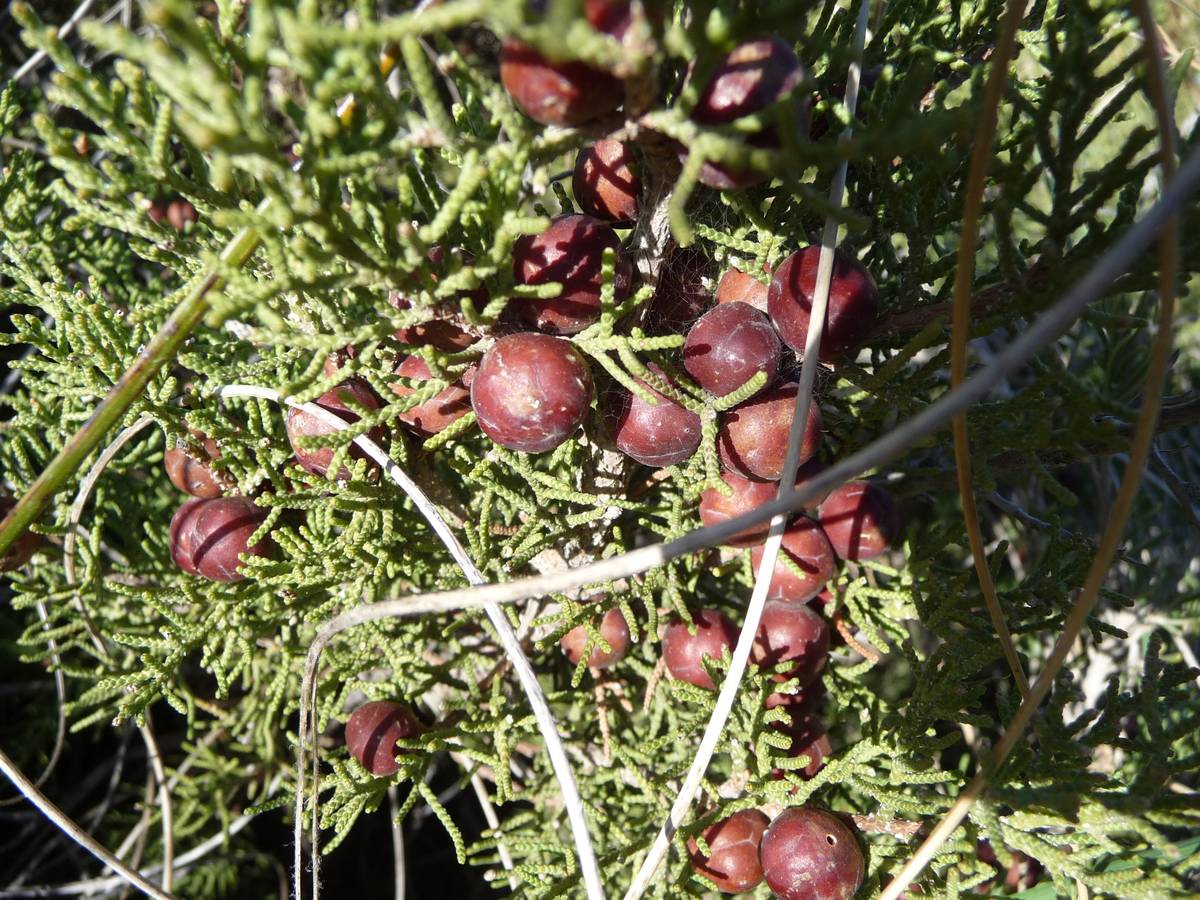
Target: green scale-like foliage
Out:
[217,109]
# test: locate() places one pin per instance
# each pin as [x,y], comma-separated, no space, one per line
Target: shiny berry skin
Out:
[440,333]
[791,632]
[531,391]
[566,93]
[372,731]
[733,865]
[748,494]
[343,401]
[850,314]
[810,854]
[606,183]
[680,297]
[736,286]
[191,475]
[182,534]
[441,410]
[615,631]
[859,519]
[23,548]
[805,545]
[683,651]
[752,76]
[569,252]
[729,345]
[660,435]
[753,436]
[220,529]
[809,738]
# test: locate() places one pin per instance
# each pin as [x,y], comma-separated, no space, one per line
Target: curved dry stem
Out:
[93,886]
[72,830]
[485,802]
[766,568]
[508,640]
[128,388]
[60,728]
[399,868]
[1046,328]
[1156,374]
[81,498]
[152,752]
[981,155]
[164,800]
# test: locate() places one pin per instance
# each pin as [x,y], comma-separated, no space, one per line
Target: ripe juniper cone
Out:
[808,738]
[344,401]
[182,534]
[729,345]
[791,632]
[807,548]
[683,650]
[850,314]
[24,547]
[753,436]
[191,475]
[441,410]
[736,286]
[606,183]
[531,392]
[657,435]
[750,78]
[860,520]
[209,537]
[569,252]
[810,854]
[748,494]
[564,93]
[373,730]
[732,863]
[615,631]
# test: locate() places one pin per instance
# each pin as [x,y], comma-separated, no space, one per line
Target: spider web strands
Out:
[508,640]
[1046,328]
[1168,232]
[766,567]
[981,155]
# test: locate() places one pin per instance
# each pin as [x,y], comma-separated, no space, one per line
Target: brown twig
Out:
[602,717]
[897,828]
[847,632]
[652,683]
